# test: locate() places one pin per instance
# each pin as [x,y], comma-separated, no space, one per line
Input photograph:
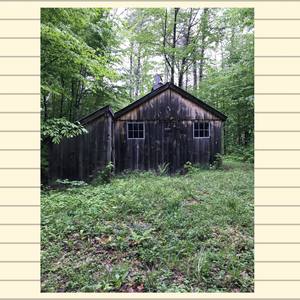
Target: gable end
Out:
[176,89]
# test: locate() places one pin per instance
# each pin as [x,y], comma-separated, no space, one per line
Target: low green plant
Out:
[148,233]
[105,175]
[163,169]
[218,162]
[108,172]
[70,183]
[188,166]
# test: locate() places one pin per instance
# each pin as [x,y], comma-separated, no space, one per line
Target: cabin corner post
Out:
[222,138]
[110,139]
[113,148]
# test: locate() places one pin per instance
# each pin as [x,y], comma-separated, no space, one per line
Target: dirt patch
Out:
[191,201]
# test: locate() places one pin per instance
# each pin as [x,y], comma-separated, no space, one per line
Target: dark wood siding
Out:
[168,119]
[81,157]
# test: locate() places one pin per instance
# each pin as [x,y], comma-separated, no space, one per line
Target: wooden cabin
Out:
[167,126]
[81,157]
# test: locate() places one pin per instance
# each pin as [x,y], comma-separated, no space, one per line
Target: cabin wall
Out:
[168,119]
[81,157]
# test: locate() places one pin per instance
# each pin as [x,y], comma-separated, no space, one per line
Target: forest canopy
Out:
[98,56]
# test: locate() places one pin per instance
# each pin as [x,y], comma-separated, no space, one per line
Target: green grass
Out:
[149,233]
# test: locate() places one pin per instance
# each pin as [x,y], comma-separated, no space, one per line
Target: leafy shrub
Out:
[105,175]
[188,167]
[243,154]
[59,128]
[218,161]
[163,169]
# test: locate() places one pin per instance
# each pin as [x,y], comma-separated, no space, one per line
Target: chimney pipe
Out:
[157,82]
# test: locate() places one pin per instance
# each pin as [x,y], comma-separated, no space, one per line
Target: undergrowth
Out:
[148,233]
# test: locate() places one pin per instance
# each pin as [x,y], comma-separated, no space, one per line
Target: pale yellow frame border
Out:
[277,144]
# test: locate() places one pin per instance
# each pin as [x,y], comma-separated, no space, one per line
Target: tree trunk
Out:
[176,10]
[138,73]
[204,25]
[195,78]
[167,62]
[186,79]
[184,61]
[45,103]
[201,65]
[131,83]
[62,98]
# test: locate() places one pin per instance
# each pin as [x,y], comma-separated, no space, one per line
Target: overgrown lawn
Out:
[149,233]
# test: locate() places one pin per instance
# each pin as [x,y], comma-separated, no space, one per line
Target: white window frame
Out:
[135,122]
[201,137]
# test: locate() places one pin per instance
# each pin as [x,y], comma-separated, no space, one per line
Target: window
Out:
[135,130]
[201,130]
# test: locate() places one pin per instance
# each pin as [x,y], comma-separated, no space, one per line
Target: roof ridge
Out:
[176,89]
[97,113]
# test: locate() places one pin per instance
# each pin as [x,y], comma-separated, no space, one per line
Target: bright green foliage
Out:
[149,233]
[96,56]
[231,87]
[77,59]
[55,130]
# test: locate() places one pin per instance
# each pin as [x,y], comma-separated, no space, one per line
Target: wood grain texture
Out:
[82,157]
[169,120]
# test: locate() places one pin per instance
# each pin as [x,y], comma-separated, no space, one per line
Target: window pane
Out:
[201,133]
[135,130]
[206,133]
[140,134]
[201,129]
[130,134]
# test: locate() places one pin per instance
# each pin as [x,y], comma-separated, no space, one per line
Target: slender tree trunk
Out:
[45,103]
[131,83]
[186,79]
[138,72]
[204,25]
[184,61]
[195,78]
[62,98]
[176,10]
[201,65]
[180,79]
[167,62]
[72,99]
[166,73]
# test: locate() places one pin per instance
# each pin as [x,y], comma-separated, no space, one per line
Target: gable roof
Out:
[96,114]
[178,90]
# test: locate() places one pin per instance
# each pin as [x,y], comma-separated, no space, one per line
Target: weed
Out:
[163,169]
[148,233]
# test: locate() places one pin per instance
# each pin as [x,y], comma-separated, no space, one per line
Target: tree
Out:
[95,57]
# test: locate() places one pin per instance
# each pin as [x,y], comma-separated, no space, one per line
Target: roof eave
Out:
[198,102]
[175,88]
[96,114]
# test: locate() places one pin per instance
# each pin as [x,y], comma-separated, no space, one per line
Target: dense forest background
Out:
[94,57]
